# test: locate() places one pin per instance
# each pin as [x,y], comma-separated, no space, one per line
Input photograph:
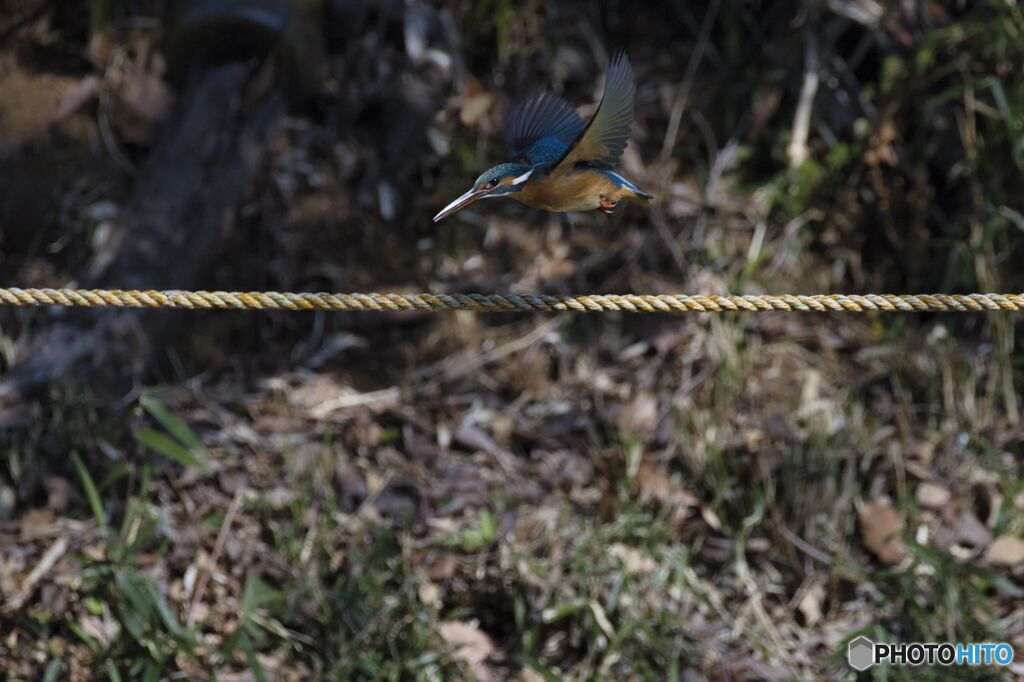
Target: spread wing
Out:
[607,134]
[540,128]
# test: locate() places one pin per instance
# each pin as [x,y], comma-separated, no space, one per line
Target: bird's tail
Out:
[642,196]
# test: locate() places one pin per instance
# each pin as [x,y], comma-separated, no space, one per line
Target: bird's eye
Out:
[491,185]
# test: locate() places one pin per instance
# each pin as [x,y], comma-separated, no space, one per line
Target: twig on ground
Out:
[218,547]
[797,149]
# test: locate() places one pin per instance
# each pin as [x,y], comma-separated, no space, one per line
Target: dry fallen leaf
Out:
[639,414]
[58,493]
[881,527]
[971,531]
[103,630]
[932,495]
[472,436]
[633,560]
[75,97]
[145,93]
[655,485]
[430,594]
[36,522]
[48,560]
[476,104]
[471,644]
[1006,550]
[810,604]
[279,497]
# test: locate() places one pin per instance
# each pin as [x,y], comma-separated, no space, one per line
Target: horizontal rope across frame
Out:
[631,303]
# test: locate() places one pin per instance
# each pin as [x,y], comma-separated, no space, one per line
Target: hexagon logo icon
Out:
[860,653]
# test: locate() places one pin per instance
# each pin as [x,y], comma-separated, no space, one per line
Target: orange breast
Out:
[575,190]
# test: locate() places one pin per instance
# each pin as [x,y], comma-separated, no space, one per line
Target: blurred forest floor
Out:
[721,497]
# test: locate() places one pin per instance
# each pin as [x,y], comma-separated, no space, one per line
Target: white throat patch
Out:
[522,178]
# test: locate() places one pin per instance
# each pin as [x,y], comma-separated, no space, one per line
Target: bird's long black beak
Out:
[462,202]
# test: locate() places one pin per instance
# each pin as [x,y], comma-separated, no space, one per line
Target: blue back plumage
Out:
[546,150]
[541,128]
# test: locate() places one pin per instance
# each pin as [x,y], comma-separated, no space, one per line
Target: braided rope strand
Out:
[631,303]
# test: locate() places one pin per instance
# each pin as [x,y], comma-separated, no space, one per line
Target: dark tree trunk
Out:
[182,205]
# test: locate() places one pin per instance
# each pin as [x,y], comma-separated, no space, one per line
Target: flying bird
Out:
[558,162]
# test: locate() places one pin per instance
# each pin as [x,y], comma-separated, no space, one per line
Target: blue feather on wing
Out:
[540,128]
[606,136]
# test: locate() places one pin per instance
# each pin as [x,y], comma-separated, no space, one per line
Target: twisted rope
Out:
[631,303]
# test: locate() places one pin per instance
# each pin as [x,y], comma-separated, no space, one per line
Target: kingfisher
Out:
[558,162]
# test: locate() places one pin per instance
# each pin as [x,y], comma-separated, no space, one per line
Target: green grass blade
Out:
[112,671]
[245,644]
[91,493]
[257,593]
[165,445]
[175,426]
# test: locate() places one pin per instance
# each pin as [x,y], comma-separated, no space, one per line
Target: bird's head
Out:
[503,179]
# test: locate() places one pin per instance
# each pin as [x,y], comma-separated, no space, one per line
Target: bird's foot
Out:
[607,205]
